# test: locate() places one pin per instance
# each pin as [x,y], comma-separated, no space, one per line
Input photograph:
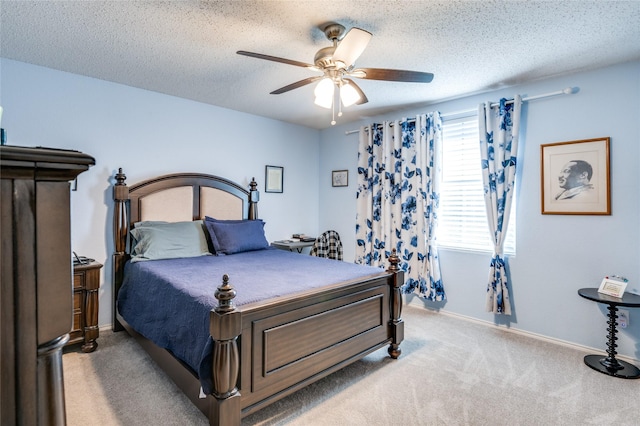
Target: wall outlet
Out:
[623,318]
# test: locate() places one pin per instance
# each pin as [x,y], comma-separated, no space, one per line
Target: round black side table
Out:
[610,365]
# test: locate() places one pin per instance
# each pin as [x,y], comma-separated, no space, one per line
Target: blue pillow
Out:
[236,236]
[212,240]
[168,240]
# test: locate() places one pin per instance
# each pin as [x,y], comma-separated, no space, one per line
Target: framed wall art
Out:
[273,178]
[575,177]
[340,178]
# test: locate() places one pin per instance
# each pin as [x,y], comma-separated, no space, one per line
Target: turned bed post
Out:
[254,197]
[396,323]
[225,324]
[120,232]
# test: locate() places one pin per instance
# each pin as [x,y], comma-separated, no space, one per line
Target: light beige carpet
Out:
[451,372]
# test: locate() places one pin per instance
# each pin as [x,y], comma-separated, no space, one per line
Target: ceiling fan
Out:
[337,65]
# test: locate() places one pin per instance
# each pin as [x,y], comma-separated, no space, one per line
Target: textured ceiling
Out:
[187,48]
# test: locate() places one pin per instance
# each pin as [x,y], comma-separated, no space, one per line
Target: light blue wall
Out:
[148,134]
[556,254]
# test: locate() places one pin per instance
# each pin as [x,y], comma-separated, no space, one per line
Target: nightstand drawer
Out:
[77,311]
[78,280]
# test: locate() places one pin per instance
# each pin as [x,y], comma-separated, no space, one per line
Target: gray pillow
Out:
[168,240]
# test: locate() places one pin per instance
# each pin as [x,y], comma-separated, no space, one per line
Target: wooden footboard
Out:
[288,344]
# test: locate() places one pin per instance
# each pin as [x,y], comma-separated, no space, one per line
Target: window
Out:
[462,218]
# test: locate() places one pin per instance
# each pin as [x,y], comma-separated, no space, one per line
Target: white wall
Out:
[556,254]
[149,134]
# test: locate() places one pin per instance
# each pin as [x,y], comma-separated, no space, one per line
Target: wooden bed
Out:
[261,351]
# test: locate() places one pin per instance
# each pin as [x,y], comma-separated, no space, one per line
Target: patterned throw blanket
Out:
[328,245]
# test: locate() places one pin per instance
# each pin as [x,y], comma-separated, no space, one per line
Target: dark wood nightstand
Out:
[86,282]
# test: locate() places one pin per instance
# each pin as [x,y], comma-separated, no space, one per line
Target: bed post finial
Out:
[254,197]
[394,260]
[120,177]
[225,325]
[396,322]
[225,295]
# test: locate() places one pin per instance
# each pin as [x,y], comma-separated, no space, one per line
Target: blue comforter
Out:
[168,301]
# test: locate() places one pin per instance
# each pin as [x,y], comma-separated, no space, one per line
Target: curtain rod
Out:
[565,91]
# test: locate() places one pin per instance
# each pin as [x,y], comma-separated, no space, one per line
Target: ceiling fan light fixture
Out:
[324,101]
[337,65]
[348,95]
[324,92]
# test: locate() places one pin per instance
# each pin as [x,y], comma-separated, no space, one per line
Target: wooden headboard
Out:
[173,198]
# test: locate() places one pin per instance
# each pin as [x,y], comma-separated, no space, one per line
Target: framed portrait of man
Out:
[574,177]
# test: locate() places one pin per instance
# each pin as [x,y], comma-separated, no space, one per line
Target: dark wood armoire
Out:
[36,284]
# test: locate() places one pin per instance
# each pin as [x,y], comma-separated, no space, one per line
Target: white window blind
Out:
[462,218]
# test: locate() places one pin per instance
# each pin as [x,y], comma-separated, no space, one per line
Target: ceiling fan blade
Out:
[392,75]
[351,46]
[363,97]
[297,84]
[276,59]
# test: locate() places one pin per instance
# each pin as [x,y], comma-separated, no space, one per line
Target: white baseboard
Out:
[586,349]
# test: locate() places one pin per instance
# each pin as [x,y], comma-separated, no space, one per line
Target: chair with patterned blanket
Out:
[328,245]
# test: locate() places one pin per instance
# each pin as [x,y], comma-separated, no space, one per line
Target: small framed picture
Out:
[273,178]
[575,177]
[612,287]
[340,178]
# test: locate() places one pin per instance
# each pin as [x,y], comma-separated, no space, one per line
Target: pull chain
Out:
[333,112]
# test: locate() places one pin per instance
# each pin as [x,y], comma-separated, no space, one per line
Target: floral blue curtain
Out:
[397,200]
[499,127]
